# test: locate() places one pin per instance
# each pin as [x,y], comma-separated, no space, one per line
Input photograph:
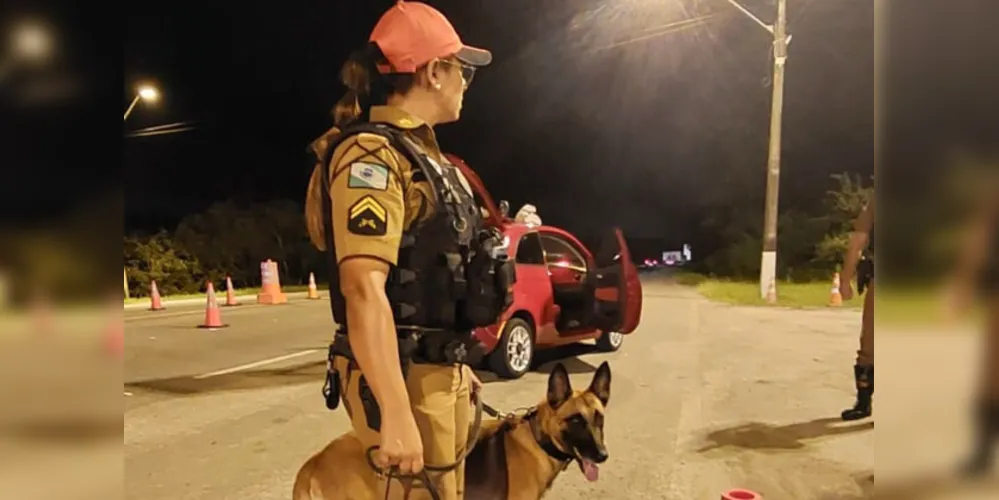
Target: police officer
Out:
[413,270]
[978,269]
[860,257]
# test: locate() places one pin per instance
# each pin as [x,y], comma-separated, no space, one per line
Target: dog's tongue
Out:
[590,470]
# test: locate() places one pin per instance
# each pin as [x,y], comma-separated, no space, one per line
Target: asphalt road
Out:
[705,397]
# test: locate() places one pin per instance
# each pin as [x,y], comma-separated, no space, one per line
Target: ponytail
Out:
[366,87]
[346,110]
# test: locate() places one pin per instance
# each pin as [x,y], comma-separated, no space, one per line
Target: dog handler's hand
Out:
[846,289]
[474,381]
[401,444]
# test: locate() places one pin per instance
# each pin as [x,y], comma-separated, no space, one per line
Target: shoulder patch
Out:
[367,217]
[368,176]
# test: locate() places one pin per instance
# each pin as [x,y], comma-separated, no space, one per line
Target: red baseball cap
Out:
[411,34]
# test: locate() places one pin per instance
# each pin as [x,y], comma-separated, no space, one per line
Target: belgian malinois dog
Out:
[517,457]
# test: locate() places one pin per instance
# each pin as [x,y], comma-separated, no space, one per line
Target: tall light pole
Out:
[146,93]
[768,262]
[29,42]
[880,26]
[149,94]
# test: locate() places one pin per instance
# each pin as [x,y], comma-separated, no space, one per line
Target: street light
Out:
[768,261]
[29,42]
[149,94]
[781,40]
[146,93]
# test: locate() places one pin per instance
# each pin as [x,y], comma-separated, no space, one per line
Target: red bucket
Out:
[741,495]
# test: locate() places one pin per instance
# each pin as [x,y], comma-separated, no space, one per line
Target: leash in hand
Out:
[424,475]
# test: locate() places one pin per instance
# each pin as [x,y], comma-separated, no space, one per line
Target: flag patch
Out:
[368,176]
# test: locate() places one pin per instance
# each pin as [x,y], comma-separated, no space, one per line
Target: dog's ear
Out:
[600,387]
[559,387]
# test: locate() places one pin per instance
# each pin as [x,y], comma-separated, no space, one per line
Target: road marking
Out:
[255,364]
[164,315]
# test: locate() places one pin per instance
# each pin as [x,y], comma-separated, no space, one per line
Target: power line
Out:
[150,133]
[161,127]
[659,31]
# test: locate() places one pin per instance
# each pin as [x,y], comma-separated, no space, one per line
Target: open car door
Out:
[495,217]
[617,290]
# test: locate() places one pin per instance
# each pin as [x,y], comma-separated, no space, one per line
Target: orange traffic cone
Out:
[42,312]
[155,302]
[270,284]
[772,292]
[835,298]
[114,340]
[313,292]
[741,494]
[230,294]
[213,317]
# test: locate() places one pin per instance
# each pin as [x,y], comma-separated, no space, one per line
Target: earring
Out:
[437,86]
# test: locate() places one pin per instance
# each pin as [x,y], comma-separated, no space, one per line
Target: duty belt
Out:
[423,347]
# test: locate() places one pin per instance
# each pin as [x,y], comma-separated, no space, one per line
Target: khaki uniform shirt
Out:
[372,189]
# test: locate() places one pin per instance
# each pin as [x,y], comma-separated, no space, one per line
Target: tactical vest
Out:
[452,275]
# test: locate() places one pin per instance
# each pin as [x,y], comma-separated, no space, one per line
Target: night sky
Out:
[601,112]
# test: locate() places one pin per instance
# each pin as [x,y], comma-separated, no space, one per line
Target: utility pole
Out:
[149,94]
[880,26]
[768,267]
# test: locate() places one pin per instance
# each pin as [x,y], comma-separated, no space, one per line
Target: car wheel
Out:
[514,353]
[610,341]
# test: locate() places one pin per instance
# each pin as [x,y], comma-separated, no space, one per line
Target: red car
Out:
[564,292]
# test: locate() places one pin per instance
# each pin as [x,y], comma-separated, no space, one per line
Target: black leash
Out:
[492,412]
[424,475]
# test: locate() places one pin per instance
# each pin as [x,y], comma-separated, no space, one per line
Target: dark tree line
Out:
[231,239]
[226,239]
[810,245]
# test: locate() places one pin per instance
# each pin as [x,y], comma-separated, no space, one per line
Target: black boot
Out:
[986,432]
[864,376]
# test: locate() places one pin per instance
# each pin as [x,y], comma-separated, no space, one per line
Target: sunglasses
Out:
[467,72]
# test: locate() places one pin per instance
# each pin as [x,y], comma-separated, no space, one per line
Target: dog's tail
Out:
[303,481]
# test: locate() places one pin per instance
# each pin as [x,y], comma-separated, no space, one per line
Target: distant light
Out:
[32,41]
[149,94]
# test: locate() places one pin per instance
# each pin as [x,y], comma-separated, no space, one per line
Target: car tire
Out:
[610,341]
[514,353]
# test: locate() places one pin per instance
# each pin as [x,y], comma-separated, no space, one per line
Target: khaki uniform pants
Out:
[865,356]
[989,385]
[441,406]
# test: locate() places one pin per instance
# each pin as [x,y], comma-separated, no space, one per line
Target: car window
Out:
[529,250]
[561,253]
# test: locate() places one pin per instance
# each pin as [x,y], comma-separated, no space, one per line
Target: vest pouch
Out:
[865,274]
[481,301]
[331,389]
[490,278]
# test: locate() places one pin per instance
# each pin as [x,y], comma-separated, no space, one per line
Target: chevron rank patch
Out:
[368,176]
[367,217]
